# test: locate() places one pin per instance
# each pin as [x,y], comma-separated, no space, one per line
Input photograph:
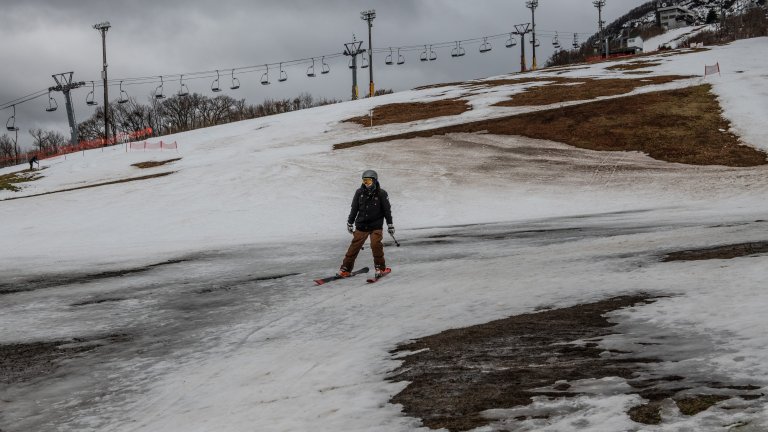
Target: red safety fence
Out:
[152,146]
[711,70]
[119,138]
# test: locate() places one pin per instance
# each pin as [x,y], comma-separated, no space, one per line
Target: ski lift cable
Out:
[155,79]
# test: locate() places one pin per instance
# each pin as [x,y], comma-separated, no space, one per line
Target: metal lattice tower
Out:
[521,30]
[64,84]
[353,49]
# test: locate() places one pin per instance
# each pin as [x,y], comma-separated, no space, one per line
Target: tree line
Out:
[165,116]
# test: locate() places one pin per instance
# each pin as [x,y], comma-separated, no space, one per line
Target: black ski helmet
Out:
[370,174]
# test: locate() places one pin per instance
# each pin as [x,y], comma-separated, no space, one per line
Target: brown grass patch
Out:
[450,84]
[9,181]
[642,64]
[575,89]
[412,111]
[719,252]
[96,185]
[681,125]
[696,404]
[152,164]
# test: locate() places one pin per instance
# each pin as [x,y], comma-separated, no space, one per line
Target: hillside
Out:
[608,216]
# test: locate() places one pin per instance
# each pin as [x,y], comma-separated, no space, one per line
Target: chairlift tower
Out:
[103,27]
[64,84]
[369,15]
[353,49]
[532,5]
[600,4]
[521,30]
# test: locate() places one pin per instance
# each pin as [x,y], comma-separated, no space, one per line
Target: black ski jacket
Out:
[370,208]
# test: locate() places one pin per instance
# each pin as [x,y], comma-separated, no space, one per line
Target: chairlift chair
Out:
[388,60]
[351,65]
[235,82]
[535,42]
[215,84]
[283,74]
[311,70]
[424,55]
[183,90]
[575,41]
[89,97]
[10,124]
[455,50]
[265,76]
[511,41]
[556,42]
[365,63]
[325,68]
[400,57]
[123,98]
[159,90]
[432,54]
[52,104]
[485,46]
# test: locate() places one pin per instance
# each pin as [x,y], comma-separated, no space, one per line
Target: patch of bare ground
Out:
[146,177]
[682,125]
[458,374]
[642,64]
[450,84]
[719,252]
[576,89]
[412,111]
[9,181]
[152,164]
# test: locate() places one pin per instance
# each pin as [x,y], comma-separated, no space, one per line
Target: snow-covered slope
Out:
[269,196]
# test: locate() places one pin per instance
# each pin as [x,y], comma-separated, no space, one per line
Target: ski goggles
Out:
[367,180]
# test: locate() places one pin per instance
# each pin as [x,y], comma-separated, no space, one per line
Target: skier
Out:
[33,161]
[370,207]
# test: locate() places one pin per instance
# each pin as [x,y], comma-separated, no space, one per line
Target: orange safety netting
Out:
[120,137]
[152,146]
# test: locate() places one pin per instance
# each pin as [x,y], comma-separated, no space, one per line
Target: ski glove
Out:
[350,228]
[391,229]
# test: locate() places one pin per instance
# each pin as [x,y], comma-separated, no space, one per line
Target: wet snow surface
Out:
[185,303]
[181,345]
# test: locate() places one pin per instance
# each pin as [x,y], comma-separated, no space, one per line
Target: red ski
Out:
[336,277]
[379,276]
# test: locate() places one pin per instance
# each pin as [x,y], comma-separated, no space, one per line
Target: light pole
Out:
[599,4]
[369,15]
[103,27]
[532,5]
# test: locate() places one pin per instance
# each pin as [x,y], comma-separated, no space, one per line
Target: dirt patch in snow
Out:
[719,252]
[411,111]
[458,374]
[682,125]
[642,64]
[152,164]
[576,89]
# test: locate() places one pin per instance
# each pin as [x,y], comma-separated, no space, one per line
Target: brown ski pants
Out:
[358,240]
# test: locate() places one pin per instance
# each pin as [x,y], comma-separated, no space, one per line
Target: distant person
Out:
[33,161]
[370,207]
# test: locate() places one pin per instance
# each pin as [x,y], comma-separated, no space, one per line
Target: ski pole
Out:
[393,238]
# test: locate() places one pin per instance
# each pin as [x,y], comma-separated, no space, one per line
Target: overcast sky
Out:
[39,38]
